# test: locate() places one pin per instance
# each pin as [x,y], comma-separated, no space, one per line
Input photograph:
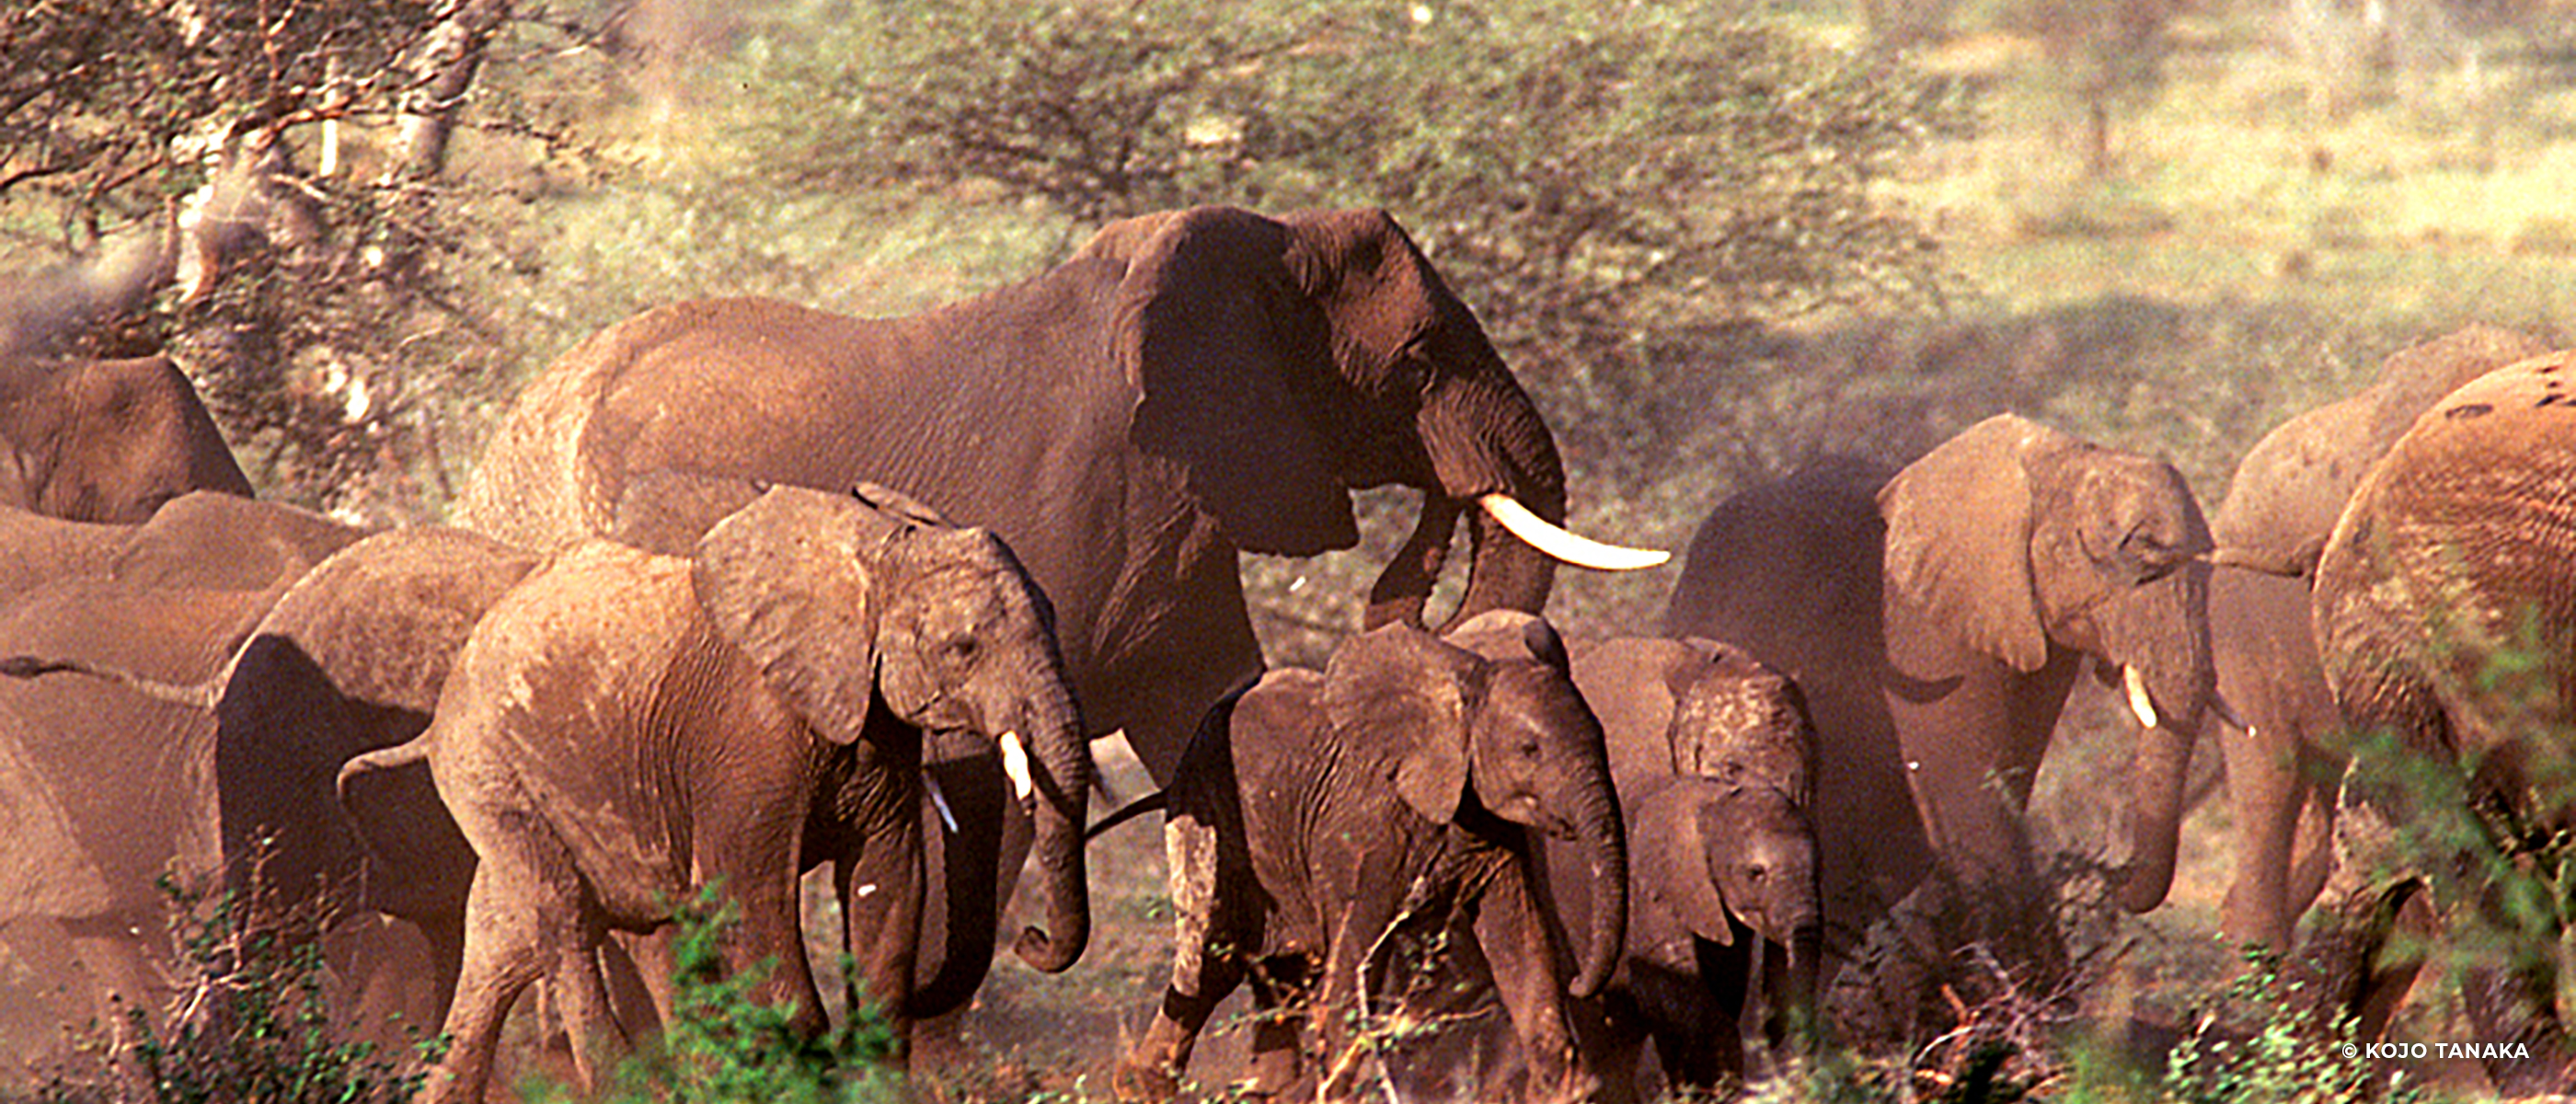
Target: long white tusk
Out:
[1555,541]
[2143,707]
[939,800]
[1015,762]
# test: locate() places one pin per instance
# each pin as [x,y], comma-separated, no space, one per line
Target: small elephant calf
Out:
[1715,762]
[1321,824]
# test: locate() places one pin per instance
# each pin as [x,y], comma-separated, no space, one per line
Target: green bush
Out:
[720,1045]
[252,1022]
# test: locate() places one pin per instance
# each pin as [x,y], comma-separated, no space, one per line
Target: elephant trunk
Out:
[2160,637]
[1794,989]
[2158,778]
[1056,766]
[1601,835]
[1483,436]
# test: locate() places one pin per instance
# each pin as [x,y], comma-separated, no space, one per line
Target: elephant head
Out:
[844,607]
[1283,362]
[1519,738]
[106,440]
[2017,543]
[1723,861]
[1740,722]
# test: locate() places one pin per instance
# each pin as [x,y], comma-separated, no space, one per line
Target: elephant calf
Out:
[624,729]
[1324,826]
[1715,763]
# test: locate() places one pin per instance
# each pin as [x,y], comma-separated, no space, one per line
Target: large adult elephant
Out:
[105,788]
[2445,615]
[1937,619]
[734,717]
[2282,766]
[1189,385]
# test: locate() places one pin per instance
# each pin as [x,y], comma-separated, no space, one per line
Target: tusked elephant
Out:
[2444,613]
[1936,619]
[1328,829]
[2282,768]
[732,717]
[1190,385]
[104,789]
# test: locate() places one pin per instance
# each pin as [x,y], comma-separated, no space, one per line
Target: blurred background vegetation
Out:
[1714,239]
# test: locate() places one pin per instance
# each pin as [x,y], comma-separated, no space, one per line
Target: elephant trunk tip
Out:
[1048,954]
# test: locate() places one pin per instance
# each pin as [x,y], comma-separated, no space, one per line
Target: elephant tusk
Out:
[939,801]
[2143,707]
[1580,551]
[1015,762]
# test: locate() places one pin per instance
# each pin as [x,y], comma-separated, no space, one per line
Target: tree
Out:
[282,162]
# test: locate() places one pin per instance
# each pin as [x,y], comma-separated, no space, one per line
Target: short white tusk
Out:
[1555,541]
[939,800]
[2140,705]
[1015,762]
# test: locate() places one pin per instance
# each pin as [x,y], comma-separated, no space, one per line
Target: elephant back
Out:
[2429,571]
[217,541]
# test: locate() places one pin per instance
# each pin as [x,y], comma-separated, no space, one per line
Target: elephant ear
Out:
[789,580]
[1959,533]
[1402,691]
[1669,849]
[1218,341]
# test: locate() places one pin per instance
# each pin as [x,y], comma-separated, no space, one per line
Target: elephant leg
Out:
[881,898]
[1513,935]
[581,996]
[2312,857]
[1279,1001]
[639,969]
[392,983]
[2267,795]
[505,951]
[121,975]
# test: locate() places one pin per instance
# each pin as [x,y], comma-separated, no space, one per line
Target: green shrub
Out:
[252,1022]
[721,1045]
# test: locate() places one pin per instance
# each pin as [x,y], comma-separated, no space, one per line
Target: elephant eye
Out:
[1757,872]
[961,648]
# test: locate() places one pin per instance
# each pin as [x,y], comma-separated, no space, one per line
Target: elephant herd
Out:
[740,590]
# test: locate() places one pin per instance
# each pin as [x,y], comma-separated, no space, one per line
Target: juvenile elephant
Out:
[1190,385]
[1936,620]
[728,719]
[2282,770]
[1714,761]
[1323,827]
[2445,616]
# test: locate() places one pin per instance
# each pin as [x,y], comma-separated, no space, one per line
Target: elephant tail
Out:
[1158,799]
[194,695]
[400,755]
